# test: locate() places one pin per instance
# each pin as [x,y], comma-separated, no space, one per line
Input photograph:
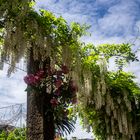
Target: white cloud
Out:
[120,19]
[12,88]
[108,18]
[138,24]
[115,24]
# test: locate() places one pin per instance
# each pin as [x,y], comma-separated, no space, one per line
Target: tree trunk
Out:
[40,125]
[48,119]
[34,117]
[49,129]
[34,105]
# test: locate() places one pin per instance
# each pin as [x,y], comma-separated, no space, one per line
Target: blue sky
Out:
[112,21]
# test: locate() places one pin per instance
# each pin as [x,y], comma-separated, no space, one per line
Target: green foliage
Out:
[17,134]
[122,80]
[3,135]
[46,34]
[122,53]
[117,83]
[111,106]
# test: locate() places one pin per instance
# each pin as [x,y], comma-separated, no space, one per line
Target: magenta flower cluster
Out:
[32,79]
[62,88]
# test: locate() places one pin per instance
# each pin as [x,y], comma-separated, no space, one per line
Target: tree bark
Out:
[34,105]
[48,119]
[40,124]
[34,117]
[49,129]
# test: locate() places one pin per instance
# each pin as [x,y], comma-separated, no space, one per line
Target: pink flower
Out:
[26,79]
[40,73]
[37,79]
[29,79]
[65,69]
[54,102]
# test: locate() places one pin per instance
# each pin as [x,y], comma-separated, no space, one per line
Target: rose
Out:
[40,73]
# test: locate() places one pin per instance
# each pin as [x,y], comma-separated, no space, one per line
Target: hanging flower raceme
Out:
[60,88]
